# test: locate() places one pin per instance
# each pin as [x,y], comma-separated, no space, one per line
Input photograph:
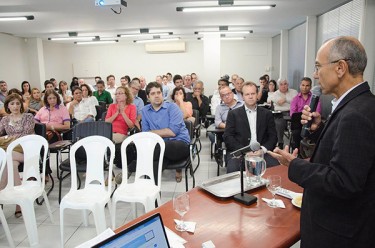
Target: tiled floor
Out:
[75,231]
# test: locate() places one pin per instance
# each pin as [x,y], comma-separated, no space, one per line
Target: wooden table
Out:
[228,224]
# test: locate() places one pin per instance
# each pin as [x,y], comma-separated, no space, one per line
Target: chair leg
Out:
[62,227]
[28,214]
[99,218]
[113,214]
[6,229]
[48,206]
[85,217]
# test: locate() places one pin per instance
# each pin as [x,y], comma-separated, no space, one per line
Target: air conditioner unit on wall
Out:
[166,47]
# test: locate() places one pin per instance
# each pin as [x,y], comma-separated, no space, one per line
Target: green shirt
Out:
[104,97]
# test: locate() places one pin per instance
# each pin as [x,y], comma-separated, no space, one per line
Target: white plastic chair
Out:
[143,190]
[26,193]
[3,159]
[95,195]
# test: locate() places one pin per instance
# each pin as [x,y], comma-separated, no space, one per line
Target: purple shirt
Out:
[298,103]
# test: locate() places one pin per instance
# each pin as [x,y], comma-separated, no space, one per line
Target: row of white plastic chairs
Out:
[95,195]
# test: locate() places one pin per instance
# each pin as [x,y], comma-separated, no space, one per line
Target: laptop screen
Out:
[149,232]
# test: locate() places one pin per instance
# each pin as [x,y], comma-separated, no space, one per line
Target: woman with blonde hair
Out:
[36,101]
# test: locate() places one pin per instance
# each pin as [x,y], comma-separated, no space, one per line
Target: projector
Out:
[111,3]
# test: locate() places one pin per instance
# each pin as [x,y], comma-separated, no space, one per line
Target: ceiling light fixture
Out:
[227,38]
[15,18]
[224,32]
[74,38]
[157,40]
[144,34]
[224,8]
[96,42]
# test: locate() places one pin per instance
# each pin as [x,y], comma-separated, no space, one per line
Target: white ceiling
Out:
[58,17]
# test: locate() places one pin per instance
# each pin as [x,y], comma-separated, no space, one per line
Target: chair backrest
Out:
[32,145]
[190,128]
[3,159]
[145,144]
[99,112]
[96,148]
[40,129]
[295,121]
[85,129]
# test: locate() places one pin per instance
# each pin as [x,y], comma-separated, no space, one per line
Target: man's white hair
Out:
[280,80]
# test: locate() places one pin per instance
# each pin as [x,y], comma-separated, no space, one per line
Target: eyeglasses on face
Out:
[119,93]
[318,66]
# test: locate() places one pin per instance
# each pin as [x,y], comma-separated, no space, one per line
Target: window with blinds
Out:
[344,20]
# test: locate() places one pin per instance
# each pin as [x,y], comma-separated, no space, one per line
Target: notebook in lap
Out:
[149,232]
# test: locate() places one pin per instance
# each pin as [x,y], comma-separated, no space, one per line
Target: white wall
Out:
[275,57]
[13,62]
[249,58]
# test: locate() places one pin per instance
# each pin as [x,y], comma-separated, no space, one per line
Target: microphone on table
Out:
[316,92]
[242,197]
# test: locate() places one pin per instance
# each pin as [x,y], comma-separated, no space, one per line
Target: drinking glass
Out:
[273,185]
[255,167]
[181,204]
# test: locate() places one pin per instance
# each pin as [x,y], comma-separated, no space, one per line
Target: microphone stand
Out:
[242,197]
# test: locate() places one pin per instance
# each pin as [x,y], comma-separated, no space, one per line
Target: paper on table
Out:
[279,203]
[104,235]
[190,226]
[174,240]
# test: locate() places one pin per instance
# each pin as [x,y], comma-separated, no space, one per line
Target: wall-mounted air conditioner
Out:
[166,47]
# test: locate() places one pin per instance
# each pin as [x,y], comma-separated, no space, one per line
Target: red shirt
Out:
[119,125]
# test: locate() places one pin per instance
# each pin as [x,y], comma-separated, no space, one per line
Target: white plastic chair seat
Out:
[95,195]
[86,199]
[143,190]
[26,193]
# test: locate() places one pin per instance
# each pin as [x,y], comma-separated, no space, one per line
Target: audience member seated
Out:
[74,83]
[178,97]
[15,125]
[121,114]
[199,101]
[87,95]
[263,90]
[54,115]
[141,91]
[26,91]
[101,94]
[216,99]
[297,104]
[281,102]
[36,102]
[125,80]
[239,81]
[134,88]
[65,92]
[3,91]
[249,123]
[188,84]
[166,87]
[48,85]
[177,81]
[111,85]
[166,120]
[229,102]
[272,87]
[81,109]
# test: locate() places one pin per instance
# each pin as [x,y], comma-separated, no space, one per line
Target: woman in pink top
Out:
[179,96]
[54,115]
[121,114]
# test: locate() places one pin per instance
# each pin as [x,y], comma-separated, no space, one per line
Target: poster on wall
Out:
[86,69]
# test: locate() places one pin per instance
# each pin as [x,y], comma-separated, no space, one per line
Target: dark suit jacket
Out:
[338,208]
[143,96]
[237,129]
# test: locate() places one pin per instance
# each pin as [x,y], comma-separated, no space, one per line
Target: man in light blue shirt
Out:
[166,120]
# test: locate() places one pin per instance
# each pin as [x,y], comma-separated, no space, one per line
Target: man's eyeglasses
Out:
[226,95]
[318,66]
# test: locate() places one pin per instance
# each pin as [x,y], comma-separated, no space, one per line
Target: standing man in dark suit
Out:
[338,206]
[249,123]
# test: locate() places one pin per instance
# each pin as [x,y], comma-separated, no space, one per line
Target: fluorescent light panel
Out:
[227,38]
[144,34]
[224,32]
[225,8]
[156,40]
[15,18]
[97,42]
[73,38]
